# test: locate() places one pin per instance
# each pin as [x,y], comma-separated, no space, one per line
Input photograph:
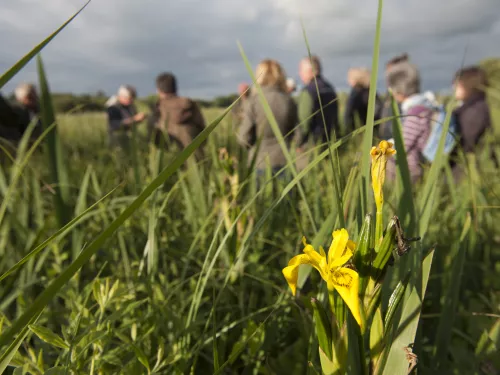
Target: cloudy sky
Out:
[130,41]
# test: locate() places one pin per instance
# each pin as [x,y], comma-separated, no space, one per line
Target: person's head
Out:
[291,85]
[166,84]
[403,81]
[126,95]
[269,73]
[26,95]
[397,60]
[309,68]
[358,77]
[243,89]
[469,82]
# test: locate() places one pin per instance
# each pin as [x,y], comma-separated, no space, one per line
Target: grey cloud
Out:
[117,41]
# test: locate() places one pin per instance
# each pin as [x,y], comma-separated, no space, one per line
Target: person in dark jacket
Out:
[357,103]
[179,117]
[122,116]
[271,78]
[385,128]
[473,116]
[310,116]
[9,129]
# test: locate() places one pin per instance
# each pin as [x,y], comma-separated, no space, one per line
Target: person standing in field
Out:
[27,109]
[178,117]
[237,110]
[418,110]
[122,116]
[357,103]
[271,78]
[385,128]
[473,115]
[316,90]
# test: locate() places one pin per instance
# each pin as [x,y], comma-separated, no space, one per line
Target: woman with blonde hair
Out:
[357,104]
[271,77]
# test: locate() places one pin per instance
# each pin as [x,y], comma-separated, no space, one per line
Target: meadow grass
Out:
[151,262]
[146,298]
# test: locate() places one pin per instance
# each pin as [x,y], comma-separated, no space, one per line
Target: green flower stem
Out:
[379,224]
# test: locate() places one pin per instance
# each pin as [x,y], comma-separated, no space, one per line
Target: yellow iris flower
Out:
[380,156]
[332,269]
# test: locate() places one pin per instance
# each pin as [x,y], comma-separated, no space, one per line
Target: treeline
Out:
[67,102]
[73,103]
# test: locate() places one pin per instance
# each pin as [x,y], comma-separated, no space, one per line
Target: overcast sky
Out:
[130,41]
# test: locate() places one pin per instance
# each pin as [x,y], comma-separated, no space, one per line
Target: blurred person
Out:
[310,115]
[473,115]
[291,85]
[27,108]
[237,111]
[385,128]
[357,103]
[418,111]
[271,78]
[178,117]
[122,116]
[9,129]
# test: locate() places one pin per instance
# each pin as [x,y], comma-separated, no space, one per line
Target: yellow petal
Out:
[291,272]
[317,260]
[346,283]
[339,246]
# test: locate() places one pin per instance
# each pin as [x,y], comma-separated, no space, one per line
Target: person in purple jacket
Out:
[417,112]
[473,116]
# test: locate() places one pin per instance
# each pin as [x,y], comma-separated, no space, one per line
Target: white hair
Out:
[126,91]
[290,83]
[23,90]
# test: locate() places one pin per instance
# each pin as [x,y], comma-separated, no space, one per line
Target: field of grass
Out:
[150,262]
[198,266]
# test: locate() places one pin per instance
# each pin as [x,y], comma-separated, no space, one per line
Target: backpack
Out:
[437,126]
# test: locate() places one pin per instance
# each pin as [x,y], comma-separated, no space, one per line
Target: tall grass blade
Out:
[368,136]
[450,304]
[21,63]
[54,150]
[334,156]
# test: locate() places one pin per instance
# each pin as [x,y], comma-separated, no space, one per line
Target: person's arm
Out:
[246,131]
[117,122]
[305,111]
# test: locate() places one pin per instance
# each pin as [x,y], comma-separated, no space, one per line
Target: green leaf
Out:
[48,336]
[384,251]
[59,370]
[21,63]
[368,136]
[11,351]
[406,328]
[363,255]
[56,159]
[323,328]
[451,300]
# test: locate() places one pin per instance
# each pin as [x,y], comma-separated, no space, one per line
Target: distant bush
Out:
[65,102]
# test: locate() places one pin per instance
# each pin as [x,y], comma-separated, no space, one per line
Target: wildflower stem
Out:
[379,225]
